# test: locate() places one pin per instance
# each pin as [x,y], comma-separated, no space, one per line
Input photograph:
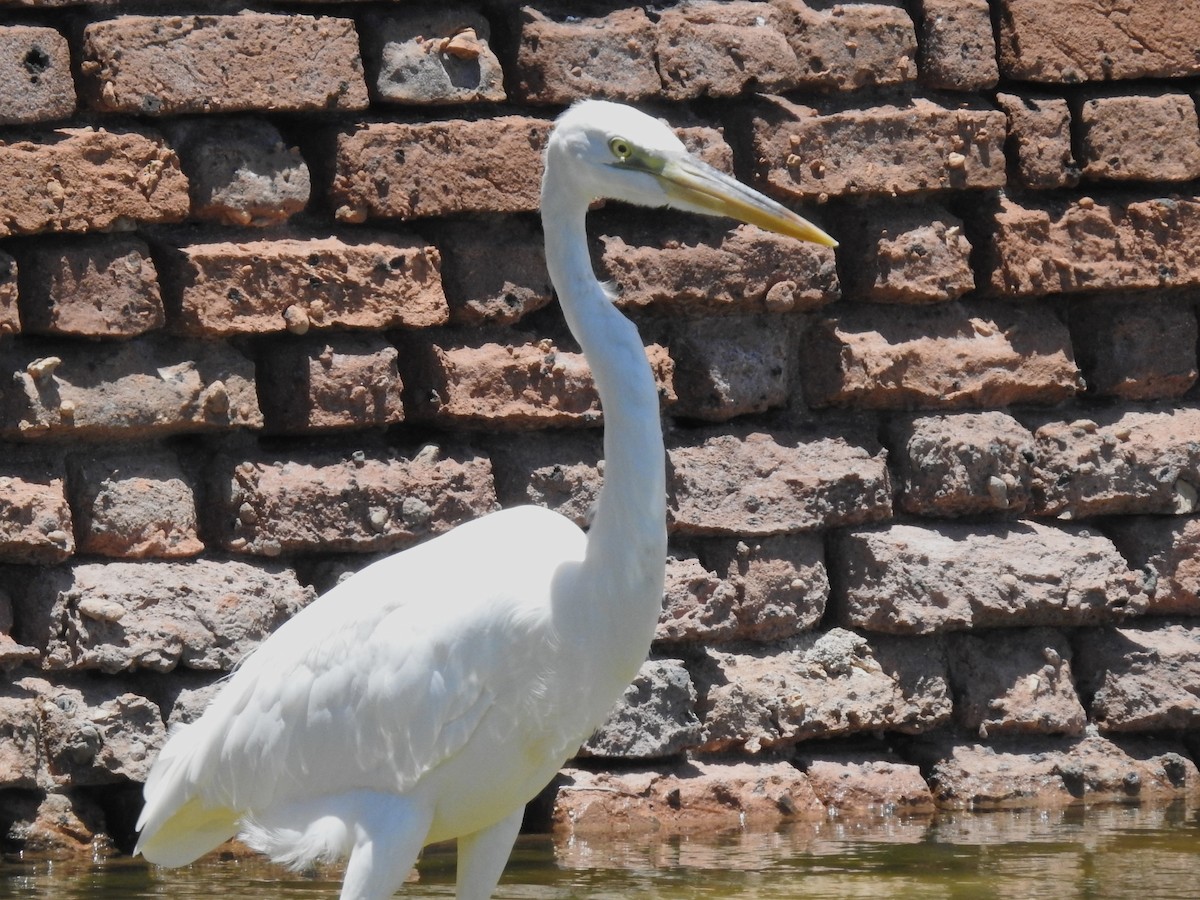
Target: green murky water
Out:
[1110,852]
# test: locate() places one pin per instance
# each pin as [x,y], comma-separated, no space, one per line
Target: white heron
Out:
[436,692]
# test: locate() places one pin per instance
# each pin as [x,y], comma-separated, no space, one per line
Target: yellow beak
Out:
[698,187]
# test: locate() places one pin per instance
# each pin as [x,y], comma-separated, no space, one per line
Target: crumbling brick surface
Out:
[274,303]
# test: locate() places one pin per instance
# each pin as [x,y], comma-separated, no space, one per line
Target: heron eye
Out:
[620,148]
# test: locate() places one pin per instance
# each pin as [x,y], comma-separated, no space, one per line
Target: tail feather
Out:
[193,830]
[176,826]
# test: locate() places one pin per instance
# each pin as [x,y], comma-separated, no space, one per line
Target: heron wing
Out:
[380,680]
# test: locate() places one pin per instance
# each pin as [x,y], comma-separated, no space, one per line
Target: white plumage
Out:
[434,693]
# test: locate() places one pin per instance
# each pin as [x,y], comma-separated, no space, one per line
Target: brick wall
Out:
[272,303]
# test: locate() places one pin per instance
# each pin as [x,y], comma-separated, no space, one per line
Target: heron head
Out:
[615,152]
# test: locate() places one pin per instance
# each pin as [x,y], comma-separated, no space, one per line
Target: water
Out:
[1109,852]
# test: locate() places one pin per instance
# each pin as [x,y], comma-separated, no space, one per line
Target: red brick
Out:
[907,256]
[10,318]
[1046,772]
[406,171]
[1135,348]
[510,382]
[1167,548]
[333,382]
[294,283]
[564,56]
[167,65]
[116,616]
[705,268]
[80,179]
[734,591]
[35,520]
[1142,677]
[432,56]
[673,799]
[123,391]
[958,49]
[864,783]
[710,49]
[1119,462]
[1069,41]
[1092,245]
[241,172]
[731,367]
[134,505]
[1040,128]
[963,465]
[753,483]
[1140,138]
[775,696]
[326,502]
[91,287]
[949,356]
[35,75]
[1015,681]
[908,579]
[887,150]
[851,45]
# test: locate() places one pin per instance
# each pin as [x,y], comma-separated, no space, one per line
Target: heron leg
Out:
[389,832]
[482,855]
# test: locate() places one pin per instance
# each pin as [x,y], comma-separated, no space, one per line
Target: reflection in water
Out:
[1110,852]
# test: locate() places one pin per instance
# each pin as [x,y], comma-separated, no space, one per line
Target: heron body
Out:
[434,693]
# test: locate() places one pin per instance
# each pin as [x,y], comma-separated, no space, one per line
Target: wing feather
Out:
[380,680]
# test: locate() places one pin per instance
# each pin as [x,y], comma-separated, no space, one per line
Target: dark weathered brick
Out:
[329,382]
[433,56]
[1017,681]
[1168,549]
[493,268]
[35,75]
[906,255]
[1040,128]
[122,391]
[93,287]
[1135,348]
[166,65]
[731,366]
[240,171]
[10,316]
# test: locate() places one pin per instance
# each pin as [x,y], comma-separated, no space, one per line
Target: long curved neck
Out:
[627,541]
